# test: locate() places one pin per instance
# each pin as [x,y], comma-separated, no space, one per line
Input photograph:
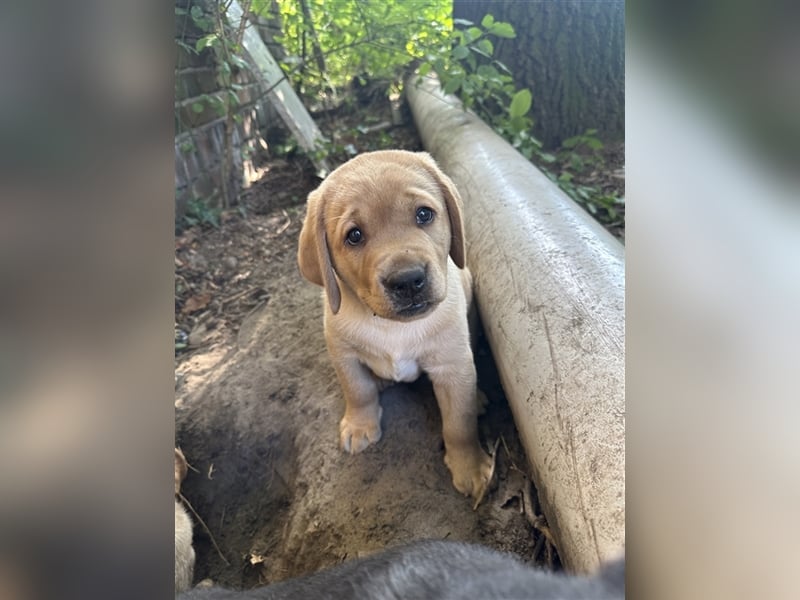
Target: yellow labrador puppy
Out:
[384,236]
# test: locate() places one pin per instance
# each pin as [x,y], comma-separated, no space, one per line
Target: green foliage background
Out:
[375,37]
[331,44]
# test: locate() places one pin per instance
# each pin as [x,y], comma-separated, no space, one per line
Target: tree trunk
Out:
[319,57]
[571,55]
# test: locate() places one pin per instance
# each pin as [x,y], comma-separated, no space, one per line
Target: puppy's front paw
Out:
[472,472]
[357,430]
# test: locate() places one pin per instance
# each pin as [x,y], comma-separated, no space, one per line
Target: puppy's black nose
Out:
[406,283]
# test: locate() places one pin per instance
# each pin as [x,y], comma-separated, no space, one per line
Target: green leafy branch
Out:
[467,69]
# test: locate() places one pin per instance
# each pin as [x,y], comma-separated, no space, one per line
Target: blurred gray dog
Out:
[434,570]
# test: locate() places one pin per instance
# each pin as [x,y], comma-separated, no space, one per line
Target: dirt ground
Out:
[257,408]
[257,418]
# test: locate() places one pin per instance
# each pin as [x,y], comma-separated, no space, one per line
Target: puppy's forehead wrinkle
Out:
[355,203]
[339,218]
[421,193]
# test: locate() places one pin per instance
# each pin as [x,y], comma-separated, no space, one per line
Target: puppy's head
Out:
[382,226]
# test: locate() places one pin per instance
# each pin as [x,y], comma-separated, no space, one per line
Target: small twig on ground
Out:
[187,286]
[532,500]
[283,227]
[527,502]
[536,520]
[196,470]
[239,295]
[255,309]
[374,128]
[539,523]
[512,464]
[208,531]
[508,452]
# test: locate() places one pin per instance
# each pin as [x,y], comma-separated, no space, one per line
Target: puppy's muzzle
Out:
[408,290]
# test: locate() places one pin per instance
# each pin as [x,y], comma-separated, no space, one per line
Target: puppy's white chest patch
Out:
[406,370]
[396,368]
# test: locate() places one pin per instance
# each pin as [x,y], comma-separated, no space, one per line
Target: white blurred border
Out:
[713,326]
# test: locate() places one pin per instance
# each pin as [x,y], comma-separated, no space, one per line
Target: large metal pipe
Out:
[549,282]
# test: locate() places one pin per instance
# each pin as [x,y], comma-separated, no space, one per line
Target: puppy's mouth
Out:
[414,309]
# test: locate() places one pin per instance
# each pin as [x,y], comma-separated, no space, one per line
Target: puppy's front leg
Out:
[361,424]
[455,389]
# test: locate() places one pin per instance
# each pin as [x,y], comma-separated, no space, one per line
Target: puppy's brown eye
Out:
[424,215]
[354,236]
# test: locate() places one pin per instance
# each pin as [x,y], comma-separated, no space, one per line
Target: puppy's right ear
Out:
[313,255]
[307,257]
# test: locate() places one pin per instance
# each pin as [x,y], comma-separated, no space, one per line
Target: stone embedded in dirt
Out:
[197,261]
[230,262]
[198,336]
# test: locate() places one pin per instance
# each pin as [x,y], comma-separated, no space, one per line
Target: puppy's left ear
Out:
[454,208]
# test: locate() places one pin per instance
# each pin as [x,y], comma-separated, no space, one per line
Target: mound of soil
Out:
[257,418]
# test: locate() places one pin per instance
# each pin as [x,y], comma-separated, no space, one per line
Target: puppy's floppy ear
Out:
[454,207]
[307,257]
[313,255]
